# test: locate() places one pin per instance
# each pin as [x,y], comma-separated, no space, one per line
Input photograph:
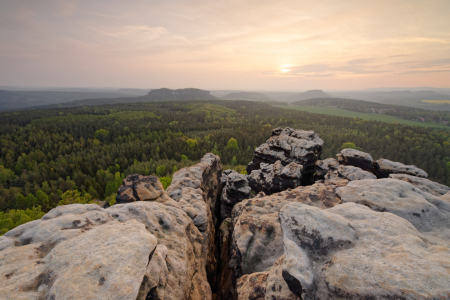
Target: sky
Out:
[235,44]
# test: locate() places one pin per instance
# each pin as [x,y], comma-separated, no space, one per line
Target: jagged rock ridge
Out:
[296,227]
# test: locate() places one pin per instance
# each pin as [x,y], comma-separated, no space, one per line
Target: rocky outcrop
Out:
[257,237]
[235,190]
[384,167]
[423,210]
[196,189]
[348,173]
[139,250]
[289,145]
[356,158]
[423,184]
[352,252]
[330,171]
[275,178]
[349,235]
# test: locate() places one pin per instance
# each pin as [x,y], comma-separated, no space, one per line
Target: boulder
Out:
[139,250]
[384,167]
[347,173]
[423,210]
[356,158]
[257,239]
[423,184]
[289,145]
[235,190]
[275,178]
[141,188]
[352,252]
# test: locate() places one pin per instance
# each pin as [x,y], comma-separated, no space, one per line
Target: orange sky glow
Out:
[237,44]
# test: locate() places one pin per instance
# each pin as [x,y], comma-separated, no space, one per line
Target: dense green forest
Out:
[61,156]
[403,112]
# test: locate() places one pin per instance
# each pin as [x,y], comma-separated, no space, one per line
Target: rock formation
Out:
[165,94]
[296,227]
[289,145]
[384,167]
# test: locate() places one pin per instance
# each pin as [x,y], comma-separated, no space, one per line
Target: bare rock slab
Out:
[257,238]
[356,158]
[352,252]
[423,184]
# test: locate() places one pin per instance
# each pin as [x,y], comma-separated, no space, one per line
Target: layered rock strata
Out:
[289,145]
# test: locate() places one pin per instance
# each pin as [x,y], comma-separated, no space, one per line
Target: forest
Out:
[403,112]
[80,155]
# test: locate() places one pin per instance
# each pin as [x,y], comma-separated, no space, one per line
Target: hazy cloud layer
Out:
[246,44]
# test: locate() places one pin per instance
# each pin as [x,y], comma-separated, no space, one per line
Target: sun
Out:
[285,70]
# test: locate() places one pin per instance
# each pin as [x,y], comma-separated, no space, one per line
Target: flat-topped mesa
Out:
[180,94]
[289,145]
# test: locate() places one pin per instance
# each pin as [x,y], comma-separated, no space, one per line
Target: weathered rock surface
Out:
[356,158]
[347,173]
[235,190]
[225,280]
[289,145]
[196,190]
[257,237]
[425,211]
[352,252]
[269,285]
[141,188]
[384,167]
[325,166]
[275,178]
[86,252]
[423,184]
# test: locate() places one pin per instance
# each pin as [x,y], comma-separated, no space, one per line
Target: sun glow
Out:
[285,70]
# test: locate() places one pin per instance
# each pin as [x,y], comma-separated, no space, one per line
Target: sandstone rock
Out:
[425,211]
[289,145]
[257,238]
[384,167]
[224,283]
[141,188]
[356,158]
[352,252]
[196,190]
[275,178]
[324,166]
[235,190]
[348,173]
[269,285]
[86,252]
[445,197]
[424,184]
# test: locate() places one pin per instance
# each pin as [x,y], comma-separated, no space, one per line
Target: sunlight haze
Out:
[279,45]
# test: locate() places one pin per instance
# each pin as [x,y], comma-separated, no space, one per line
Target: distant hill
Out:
[247,96]
[181,94]
[309,95]
[163,94]
[22,99]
